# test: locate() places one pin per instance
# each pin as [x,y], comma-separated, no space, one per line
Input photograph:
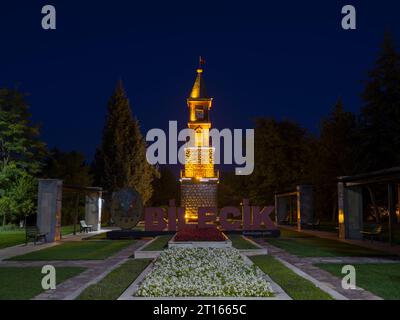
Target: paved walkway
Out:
[21,249]
[306,265]
[72,288]
[375,245]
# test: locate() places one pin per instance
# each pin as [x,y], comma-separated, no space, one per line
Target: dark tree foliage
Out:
[21,155]
[380,116]
[120,160]
[336,154]
[282,159]
[19,137]
[166,188]
[232,189]
[72,168]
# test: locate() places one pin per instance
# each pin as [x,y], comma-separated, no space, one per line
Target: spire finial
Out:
[202,62]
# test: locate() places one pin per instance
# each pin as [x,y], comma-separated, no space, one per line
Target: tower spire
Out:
[199,88]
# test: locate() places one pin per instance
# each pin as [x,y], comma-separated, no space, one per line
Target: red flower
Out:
[205,234]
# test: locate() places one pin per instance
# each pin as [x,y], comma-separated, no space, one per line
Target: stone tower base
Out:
[196,194]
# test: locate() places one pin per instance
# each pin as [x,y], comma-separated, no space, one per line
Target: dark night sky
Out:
[285,59]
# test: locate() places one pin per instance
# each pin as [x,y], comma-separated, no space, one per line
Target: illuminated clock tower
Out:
[199,180]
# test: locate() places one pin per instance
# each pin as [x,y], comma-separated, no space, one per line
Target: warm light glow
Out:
[199,157]
[341,216]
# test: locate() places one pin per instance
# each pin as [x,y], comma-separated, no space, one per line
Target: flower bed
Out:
[206,234]
[203,272]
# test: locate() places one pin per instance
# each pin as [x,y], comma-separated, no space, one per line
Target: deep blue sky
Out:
[285,59]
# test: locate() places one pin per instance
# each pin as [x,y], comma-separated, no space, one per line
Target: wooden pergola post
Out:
[392,209]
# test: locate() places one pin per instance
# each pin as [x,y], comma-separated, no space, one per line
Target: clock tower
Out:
[199,179]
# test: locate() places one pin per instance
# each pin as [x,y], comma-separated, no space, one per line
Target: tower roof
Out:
[199,87]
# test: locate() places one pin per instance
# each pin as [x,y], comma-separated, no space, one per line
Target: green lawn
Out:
[116,282]
[240,243]
[77,250]
[25,283]
[16,237]
[303,245]
[381,279]
[159,244]
[11,238]
[295,286]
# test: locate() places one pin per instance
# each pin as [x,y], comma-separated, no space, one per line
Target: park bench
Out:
[285,221]
[85,227]
[314,225]
[32,232]
[376,231]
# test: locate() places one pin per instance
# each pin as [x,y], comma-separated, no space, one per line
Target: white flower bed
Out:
[200,272]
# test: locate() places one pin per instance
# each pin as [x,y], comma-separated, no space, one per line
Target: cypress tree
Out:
[120,161]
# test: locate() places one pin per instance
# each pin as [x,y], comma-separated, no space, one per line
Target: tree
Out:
[166,188]
[21,154]
[120,160]
[70,167]
[17,194]
[282,159]
[337,154]
[380,116]
[232,189]
[19,138]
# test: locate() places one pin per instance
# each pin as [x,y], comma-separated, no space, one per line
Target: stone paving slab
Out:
[55,263]
[72,288]
[324,277]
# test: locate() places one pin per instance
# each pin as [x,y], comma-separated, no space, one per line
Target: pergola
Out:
[50,203]
[303,196]
[350,200]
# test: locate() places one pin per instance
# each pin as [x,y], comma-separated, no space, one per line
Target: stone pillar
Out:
[392,210]
[354,215]
[398,203]
[197,194]
[341,210]
[93,208]
[305,205]
[49,208]
[350,204]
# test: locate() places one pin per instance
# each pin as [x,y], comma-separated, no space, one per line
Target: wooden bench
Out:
[315,224]
[85,227]
[32,232]
[376,231]
[285,221]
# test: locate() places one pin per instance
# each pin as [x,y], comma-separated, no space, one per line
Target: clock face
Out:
[126,208]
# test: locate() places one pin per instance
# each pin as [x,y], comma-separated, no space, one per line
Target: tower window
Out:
[199,113]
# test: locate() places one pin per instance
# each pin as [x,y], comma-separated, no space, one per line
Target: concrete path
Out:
[97,270]
[21,249]
[322,276]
